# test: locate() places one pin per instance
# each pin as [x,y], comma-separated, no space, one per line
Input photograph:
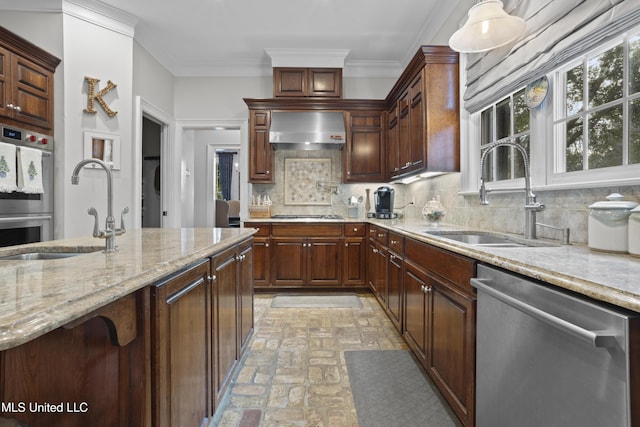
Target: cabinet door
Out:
[394,299]
[261,262]
[5,82]
[416,113]
[377,265]
[32,93]
[415,309]
[354,261]
[393,148]
[245,296]
[290,82]
[180,339]
[404,133]
[364,158]
[225,318]
[325,82]
[288,258]
[260,152]
[452,348]
[324,264]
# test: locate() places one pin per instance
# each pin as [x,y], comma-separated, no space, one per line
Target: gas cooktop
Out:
[307,217]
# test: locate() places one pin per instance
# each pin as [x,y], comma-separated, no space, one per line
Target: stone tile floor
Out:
[294,372]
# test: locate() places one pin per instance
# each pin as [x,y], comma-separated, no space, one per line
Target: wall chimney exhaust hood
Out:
[302,130]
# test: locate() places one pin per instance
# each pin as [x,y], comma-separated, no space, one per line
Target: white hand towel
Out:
[8,180]
[30,170]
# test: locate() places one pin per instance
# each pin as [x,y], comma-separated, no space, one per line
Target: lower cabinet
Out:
[201,321]
[180,361]
[232,313]
[440,319]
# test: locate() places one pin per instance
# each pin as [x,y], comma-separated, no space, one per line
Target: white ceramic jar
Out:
[609,224]
[634,232]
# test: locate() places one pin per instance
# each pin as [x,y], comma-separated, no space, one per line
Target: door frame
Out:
[242,124]
[169,171]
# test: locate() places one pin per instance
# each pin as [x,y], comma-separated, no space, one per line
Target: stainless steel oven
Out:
[28,218]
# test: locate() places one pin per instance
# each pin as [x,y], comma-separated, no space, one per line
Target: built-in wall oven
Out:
[27,217]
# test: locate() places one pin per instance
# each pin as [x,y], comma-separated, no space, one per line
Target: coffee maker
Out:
[383,201]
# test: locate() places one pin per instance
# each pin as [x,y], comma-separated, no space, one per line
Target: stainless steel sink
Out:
[479,238]
[34,255]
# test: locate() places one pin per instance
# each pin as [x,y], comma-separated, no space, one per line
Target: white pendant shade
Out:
[487,27]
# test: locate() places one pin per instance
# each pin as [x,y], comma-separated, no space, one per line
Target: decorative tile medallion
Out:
[300,178]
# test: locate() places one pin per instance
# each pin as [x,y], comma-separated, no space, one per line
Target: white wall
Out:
[105,54]
[151,80]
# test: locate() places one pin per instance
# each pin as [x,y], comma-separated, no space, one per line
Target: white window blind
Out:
[557,31]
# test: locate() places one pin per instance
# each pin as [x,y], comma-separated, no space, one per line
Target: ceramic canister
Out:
[609,224]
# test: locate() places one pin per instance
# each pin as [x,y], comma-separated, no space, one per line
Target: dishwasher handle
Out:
[601,339]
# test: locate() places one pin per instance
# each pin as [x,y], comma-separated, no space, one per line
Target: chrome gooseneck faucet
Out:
[110,232]
[531,206]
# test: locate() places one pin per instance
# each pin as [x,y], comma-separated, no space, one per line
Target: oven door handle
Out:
[25,218]
[596,338]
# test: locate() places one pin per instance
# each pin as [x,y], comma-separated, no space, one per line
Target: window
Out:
[597,115]
[507,120]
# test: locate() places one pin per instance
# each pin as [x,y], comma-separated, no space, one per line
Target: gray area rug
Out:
[390,390]
[315,300]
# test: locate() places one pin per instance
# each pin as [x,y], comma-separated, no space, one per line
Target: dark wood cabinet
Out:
[245,296]
[261,254]
[377,271]
[355,250]
[260,151]
[307,82]
[426,100]
[180,361]
[26,84]
[439,321]
[364,157]
[393,149]
[306,261]
[94,367]
[395,283]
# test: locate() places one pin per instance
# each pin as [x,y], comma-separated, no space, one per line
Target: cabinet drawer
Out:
[378,233]
[354,230]
[307,230]
[396,243]
[455,268]
[264,229]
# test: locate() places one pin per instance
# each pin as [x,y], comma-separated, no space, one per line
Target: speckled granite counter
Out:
[41,295]
[612,278]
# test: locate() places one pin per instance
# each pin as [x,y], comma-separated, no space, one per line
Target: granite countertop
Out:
[39,296]
[612,278]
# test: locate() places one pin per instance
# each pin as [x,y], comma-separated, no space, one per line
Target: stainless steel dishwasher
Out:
[547,358]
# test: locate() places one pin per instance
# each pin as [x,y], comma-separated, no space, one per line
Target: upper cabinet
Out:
[260,152]
[26,84]
[364,156]
[307,82]
[423,115]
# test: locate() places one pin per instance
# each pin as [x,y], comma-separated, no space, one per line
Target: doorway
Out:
[151,199]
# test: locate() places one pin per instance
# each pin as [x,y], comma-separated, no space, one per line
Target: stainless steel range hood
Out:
[315,130]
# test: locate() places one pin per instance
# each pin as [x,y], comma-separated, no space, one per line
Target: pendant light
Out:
[487,27]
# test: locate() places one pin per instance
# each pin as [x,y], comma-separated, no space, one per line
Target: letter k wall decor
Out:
[93,82]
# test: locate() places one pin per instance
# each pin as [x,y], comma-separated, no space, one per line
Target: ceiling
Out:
[229,37]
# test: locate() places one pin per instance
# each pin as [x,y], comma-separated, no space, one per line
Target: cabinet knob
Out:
[212,278]
[348,172]
[392,257]
[266,245]
[394,242]
[380,235]
[375,251]
[17,108]
[267,172]
[355,229]
[346,245]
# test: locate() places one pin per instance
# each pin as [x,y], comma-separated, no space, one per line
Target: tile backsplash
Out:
[505,213]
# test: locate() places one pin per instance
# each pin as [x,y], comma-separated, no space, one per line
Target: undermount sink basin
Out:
[477,238]
[34,255]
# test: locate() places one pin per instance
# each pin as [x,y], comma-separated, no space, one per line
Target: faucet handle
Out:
[125,210]
[94,212]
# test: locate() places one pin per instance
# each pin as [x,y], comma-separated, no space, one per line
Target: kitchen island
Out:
[148,335]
